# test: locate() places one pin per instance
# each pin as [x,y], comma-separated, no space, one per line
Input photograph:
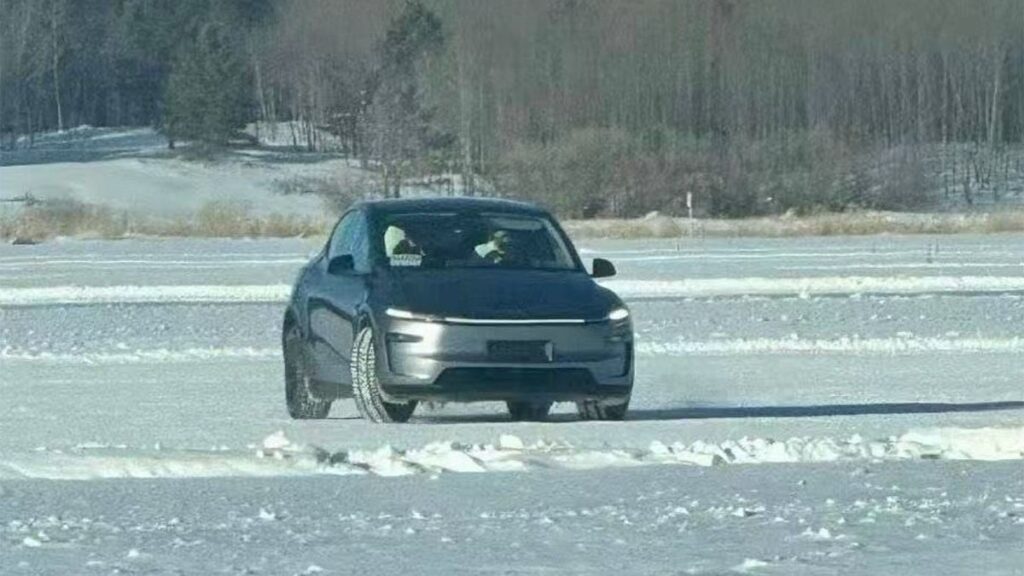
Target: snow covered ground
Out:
[810,406]
[131,170]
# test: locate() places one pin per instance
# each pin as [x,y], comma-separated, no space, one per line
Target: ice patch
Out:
[749,565]
[276,441]
[819,535]
[510,442]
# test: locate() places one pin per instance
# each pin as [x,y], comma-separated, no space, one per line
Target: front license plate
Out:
[525,351]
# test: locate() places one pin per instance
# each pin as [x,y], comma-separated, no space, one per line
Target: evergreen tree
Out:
[399,120]
[207,91]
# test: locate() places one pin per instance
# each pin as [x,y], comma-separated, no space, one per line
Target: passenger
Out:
[392,236]
[396,243]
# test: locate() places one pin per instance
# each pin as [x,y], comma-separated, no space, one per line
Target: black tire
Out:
[302,405]
[603,409]
[528,411]
[366,387]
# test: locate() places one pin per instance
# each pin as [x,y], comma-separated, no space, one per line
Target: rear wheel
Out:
[602,409]
[302,405]
[528,411]
[366,387]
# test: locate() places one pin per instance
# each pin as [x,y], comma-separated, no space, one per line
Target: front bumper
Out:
[443,361]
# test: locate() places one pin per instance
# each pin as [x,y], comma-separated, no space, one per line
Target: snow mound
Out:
[280,456]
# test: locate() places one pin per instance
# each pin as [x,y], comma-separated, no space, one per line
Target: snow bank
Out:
[277,455]
[813,286]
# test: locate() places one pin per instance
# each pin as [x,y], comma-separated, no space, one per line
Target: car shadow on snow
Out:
[817,410]
[723,412]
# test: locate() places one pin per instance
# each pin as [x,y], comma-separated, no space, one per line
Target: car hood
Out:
[501,294]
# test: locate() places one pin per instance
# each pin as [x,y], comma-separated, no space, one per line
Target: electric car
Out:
[455,300]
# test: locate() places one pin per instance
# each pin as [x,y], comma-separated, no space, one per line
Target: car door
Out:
[334,299]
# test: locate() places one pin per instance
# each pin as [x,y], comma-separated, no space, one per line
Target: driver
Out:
[500,249]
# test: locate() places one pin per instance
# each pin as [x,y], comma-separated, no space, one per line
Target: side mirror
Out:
[341,264]
[603,268]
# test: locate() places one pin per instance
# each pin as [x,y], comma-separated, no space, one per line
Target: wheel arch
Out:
[291,318]
[363,318]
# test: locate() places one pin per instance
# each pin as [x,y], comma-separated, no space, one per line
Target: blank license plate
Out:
[530,351]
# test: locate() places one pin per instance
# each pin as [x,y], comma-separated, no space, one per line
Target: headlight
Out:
[618,314]
[403,314]
[407,315]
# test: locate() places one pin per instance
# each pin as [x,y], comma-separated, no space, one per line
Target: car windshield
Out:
[477,240]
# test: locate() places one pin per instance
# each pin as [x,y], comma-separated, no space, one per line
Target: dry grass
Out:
[842,224]
[62,218]
[46,220]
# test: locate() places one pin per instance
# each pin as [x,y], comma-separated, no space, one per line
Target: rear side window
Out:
[350,237]
[341,238]
[360,244]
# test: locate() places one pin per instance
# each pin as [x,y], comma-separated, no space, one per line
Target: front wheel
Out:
[603,409]
[366,387]
[302,405]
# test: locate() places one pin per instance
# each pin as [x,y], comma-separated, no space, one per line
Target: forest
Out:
[600,108]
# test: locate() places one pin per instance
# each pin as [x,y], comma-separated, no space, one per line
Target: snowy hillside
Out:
[132,170]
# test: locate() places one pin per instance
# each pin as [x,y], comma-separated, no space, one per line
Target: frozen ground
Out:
[811,406]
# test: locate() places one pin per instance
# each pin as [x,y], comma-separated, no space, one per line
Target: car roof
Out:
[449,204]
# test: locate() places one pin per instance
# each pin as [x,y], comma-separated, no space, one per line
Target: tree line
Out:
[601,107]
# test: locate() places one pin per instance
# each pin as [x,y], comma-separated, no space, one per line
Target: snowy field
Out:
[808,406]
[131,170]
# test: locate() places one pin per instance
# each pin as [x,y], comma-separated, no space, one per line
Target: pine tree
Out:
[399,120]
[207,91]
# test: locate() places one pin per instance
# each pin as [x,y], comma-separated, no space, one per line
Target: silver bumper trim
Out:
[512,322]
